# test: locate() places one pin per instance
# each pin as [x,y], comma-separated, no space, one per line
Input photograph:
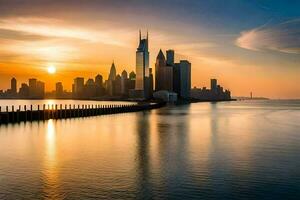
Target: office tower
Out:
[117,89]
[124,83]
[111,78]
[89,88]
[78,87]
[59,89]
[113,72]
[99,80]
[142,68]
[151,82]
[170,57]
[40,89]
[131,81]
[99,85]
[32,88]
[185,79]
[24,90]
[13,86]
[213,85]
[163,74]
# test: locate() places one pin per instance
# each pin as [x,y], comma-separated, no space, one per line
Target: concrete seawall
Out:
[68,111]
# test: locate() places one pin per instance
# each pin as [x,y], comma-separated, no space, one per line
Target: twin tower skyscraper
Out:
[169,76]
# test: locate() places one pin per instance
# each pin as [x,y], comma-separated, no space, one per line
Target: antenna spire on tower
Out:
[140,35]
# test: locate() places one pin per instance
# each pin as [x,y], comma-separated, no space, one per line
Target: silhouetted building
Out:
[13,86]
[163,74]
[184,78]
[32,88]
[124,83]
[100,91]
[117,86]
[59,90]
[151,82]
[78,87]
[113,72]
[99,80]
[216,92]
[24,91]
[40,89]
[170,57]
[111,79]
[90,89]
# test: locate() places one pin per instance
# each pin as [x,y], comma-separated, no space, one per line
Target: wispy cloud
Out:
[54,28]
[284,37]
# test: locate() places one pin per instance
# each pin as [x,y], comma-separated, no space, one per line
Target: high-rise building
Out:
[13,86]
[32,88]
[213,85]
[170,57]
[113,72]
[151,82]
[124,83]
[99,80]
[142,69]
[163,74]
[111,80]
[78,87]
[185,79]
[117,89]
[59,89]
[99,85]
[40,89]
[24,91]
[90,88]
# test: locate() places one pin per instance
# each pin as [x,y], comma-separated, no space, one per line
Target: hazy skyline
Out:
[247,45]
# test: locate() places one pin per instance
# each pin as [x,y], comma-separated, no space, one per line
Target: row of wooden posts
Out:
[55,112]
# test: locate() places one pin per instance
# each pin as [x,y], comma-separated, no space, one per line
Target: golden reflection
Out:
[50,171]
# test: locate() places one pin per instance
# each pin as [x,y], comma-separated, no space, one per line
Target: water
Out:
[229,150]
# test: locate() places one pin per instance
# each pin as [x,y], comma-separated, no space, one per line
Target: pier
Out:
[45,112]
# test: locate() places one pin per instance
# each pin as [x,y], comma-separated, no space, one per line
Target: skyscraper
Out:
[13,86]
[113,72]
[142,68]
[111,79]
[185,79]
[32,88]
[124,83]
[170,57]
[99,80]
[163,74]
[213,85]
[59,89]
[78,87]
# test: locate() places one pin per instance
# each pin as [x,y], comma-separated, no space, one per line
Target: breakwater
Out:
[45,112]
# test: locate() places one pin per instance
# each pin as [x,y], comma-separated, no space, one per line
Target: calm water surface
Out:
[230,150]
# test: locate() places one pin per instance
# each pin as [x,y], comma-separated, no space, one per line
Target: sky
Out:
[248,45]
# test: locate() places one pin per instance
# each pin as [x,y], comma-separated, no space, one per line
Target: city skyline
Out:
[260,45]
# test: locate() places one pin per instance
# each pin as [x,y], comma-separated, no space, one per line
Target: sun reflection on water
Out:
[50,171]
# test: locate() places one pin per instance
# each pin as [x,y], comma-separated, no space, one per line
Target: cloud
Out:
[32,27]
[284,37]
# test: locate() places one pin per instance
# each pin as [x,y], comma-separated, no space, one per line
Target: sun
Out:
[51,69]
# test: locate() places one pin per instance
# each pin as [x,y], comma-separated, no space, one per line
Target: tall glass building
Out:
[142,67]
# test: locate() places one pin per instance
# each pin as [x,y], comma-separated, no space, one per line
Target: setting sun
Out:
[51,69]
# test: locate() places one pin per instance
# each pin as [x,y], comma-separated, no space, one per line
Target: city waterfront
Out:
[224,150]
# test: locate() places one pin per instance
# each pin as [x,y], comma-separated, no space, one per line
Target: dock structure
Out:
[16,115]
